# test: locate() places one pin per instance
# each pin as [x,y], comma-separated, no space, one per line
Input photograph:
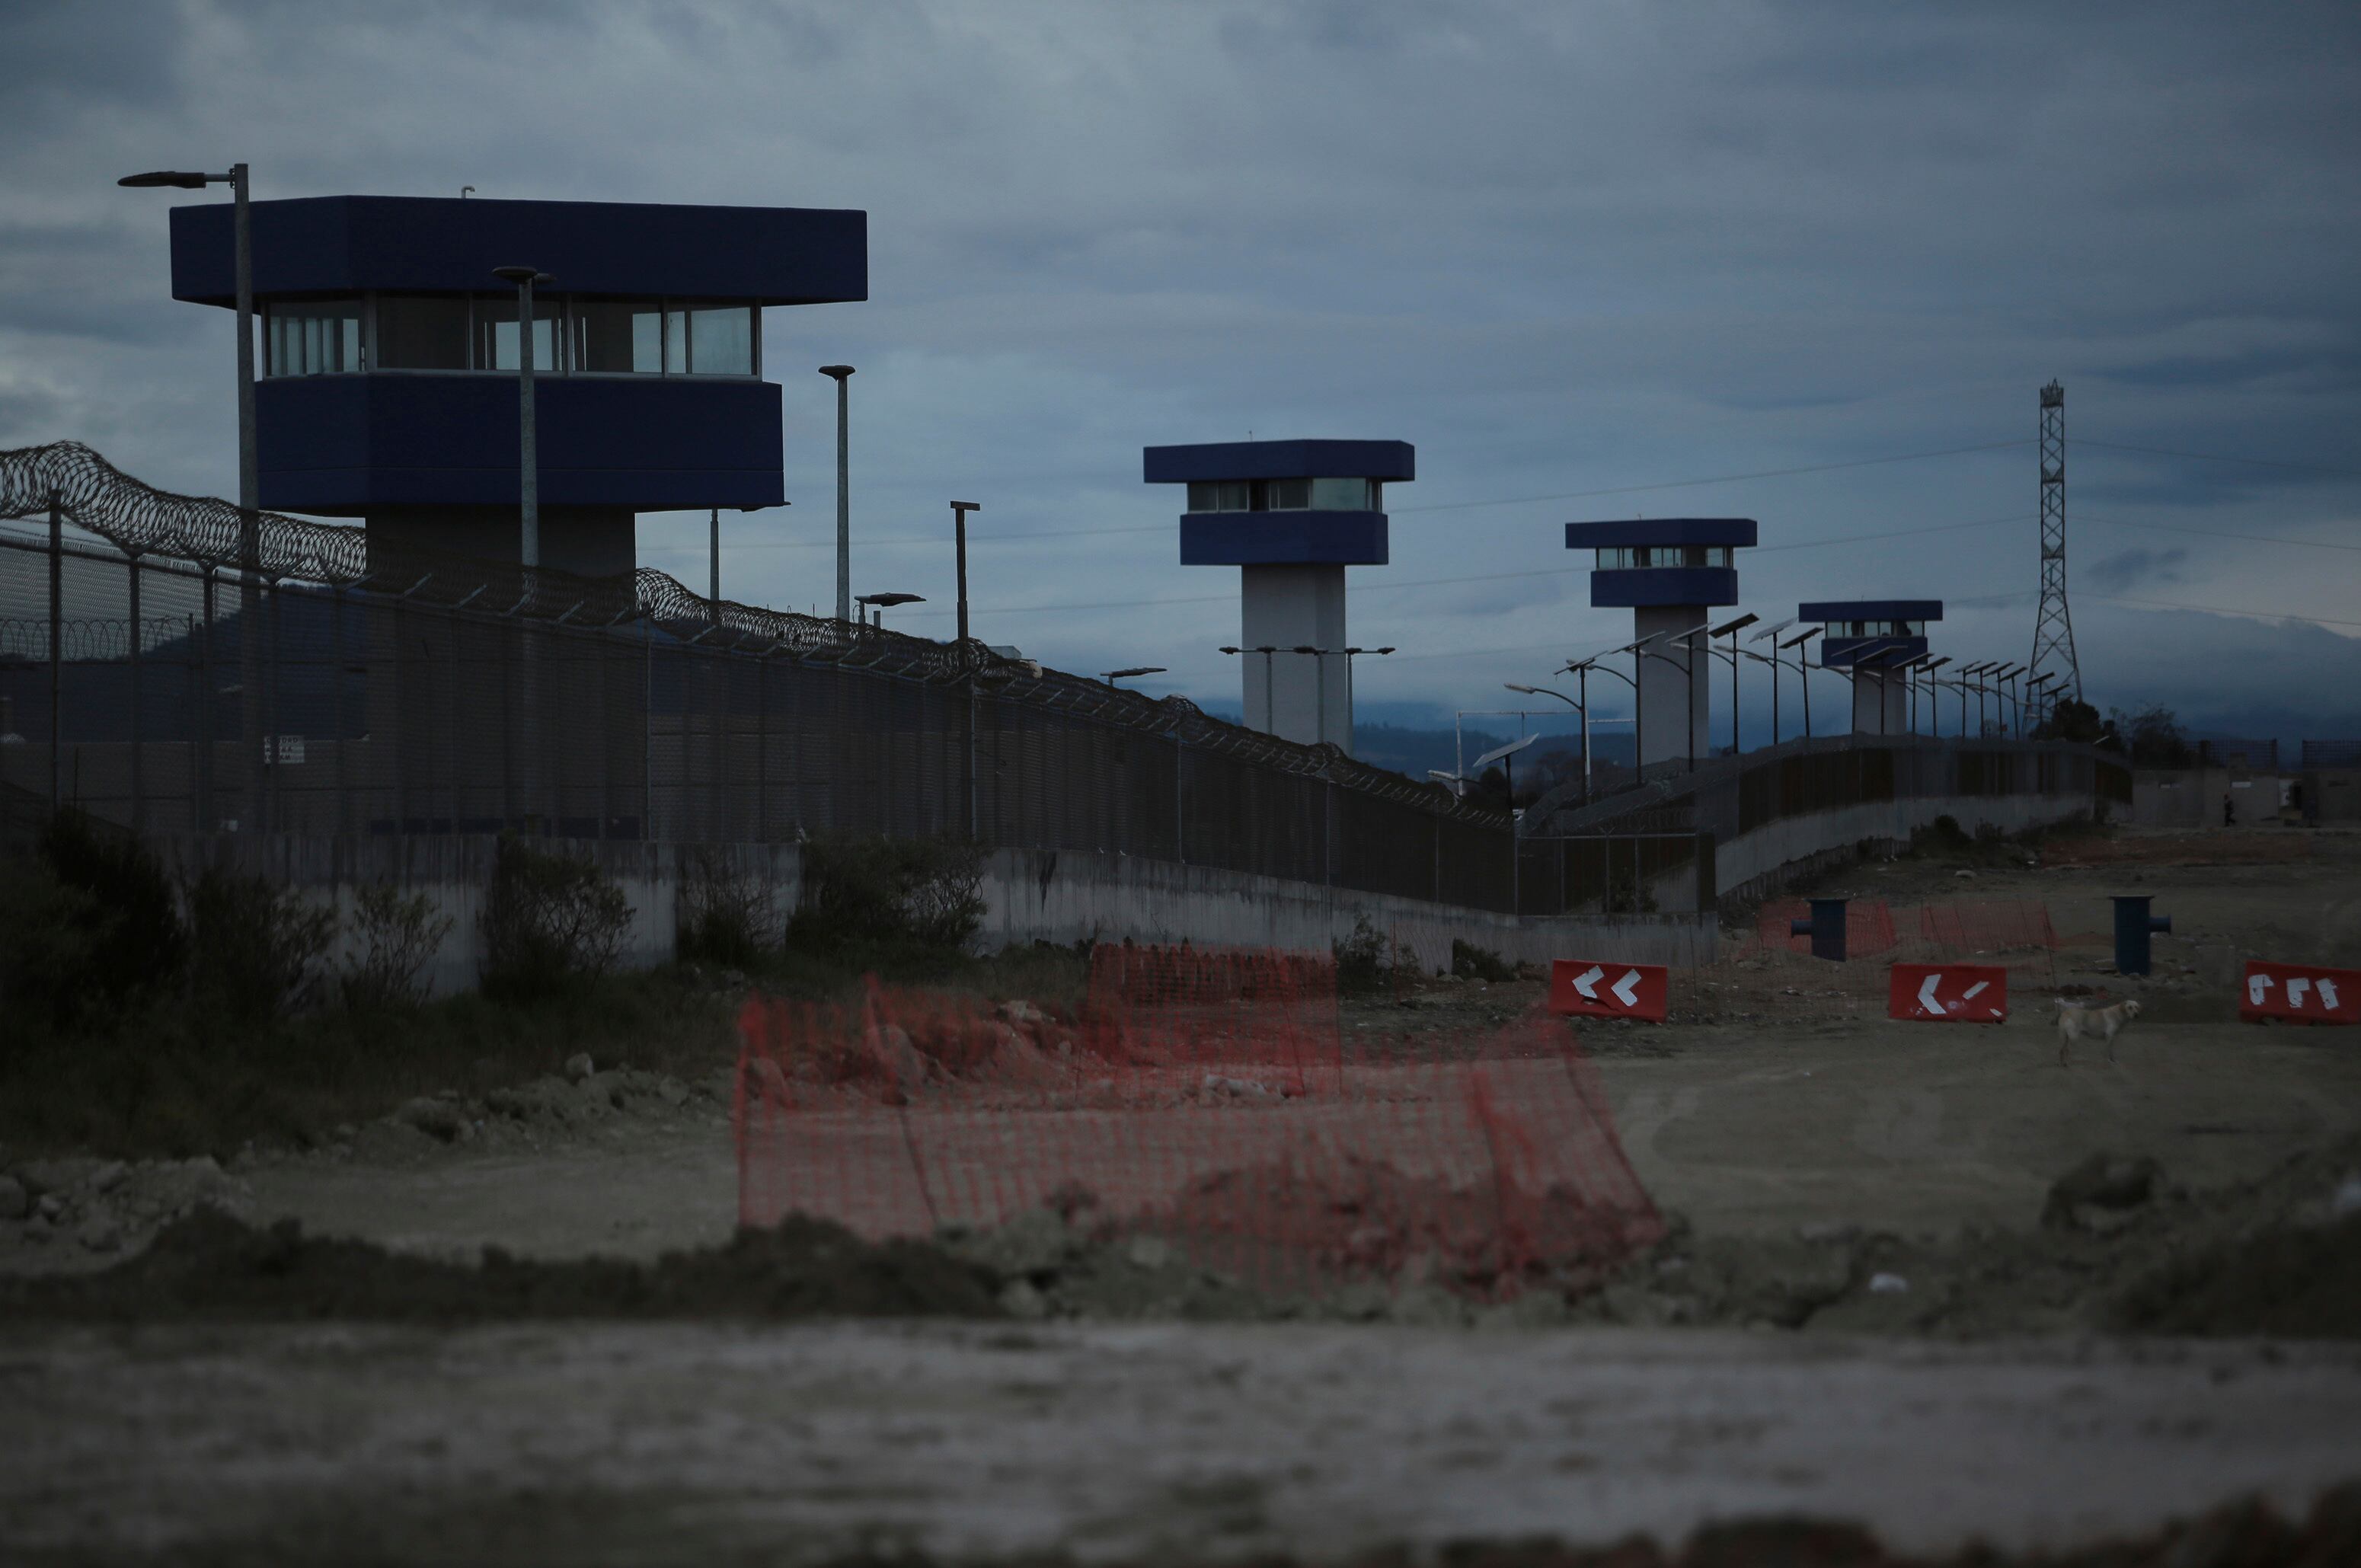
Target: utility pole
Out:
[841,374]
[2053,629]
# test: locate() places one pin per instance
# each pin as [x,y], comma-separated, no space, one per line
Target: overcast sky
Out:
[1560,247]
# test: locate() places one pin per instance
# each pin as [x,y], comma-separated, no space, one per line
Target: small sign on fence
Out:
[1948,994]
[2302,992]
[1588,990]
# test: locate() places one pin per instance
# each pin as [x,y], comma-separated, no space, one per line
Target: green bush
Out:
[397,934]
[255,947]
[869,893]
[132,919]
[1362,966]
[52,976]
[550,922]
[1469,961]
[725,915]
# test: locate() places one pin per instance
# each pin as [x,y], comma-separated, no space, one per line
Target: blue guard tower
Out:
[1290,515]
[1869,640]
[1670,573]
[389,373]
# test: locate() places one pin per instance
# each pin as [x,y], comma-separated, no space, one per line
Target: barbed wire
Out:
[207,533]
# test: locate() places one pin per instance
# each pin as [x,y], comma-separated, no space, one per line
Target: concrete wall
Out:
[2191,797]
[1063,896]
[1754,864]
[2329,794]
[455,873]
[1059,896]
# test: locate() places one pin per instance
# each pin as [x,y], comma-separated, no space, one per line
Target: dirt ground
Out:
[1804,1146]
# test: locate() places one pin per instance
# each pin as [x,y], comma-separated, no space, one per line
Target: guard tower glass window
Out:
[1218,495]
[621,337]
[421,332]
[312,337]
[1638,558]
[496,333]
[721,340]
[1345,495]
[1285,495]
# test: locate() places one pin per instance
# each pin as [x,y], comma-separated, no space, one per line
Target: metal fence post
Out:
[195,711]
[762,746]
[57,653]
[336,674]
[206,716]
[647,729]
[139,795]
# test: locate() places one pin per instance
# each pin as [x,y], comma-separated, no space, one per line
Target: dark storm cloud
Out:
[1561,248]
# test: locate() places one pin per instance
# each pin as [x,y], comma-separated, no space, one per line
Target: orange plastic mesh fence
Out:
[1203,1099]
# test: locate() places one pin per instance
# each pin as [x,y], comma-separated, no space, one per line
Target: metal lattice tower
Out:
[2053,629]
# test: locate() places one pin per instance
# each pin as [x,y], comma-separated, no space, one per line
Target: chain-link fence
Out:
[442,697]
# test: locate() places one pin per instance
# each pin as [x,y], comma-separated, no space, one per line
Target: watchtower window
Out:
[1345,495]
[621,337]
[1638,557]
[312,337]
[421,332]
[497,345]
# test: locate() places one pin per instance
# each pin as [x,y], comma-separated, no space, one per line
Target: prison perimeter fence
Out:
[168,665]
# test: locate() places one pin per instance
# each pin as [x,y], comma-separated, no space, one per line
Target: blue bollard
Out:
[1826,928]
[2132,925]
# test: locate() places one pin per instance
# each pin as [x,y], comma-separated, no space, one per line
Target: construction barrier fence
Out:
[1208,1099]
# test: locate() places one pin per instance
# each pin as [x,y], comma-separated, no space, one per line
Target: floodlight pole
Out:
[959,528]
[839,374]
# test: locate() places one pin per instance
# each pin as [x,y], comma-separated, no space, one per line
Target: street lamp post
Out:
[878,604]
[1803,672]
[1545,691]
[839,374]
[1269,652]
[1111,676]
[526,279]
[249,486]
[1580,671]
[1730,630]
[1319,678]
[958,530]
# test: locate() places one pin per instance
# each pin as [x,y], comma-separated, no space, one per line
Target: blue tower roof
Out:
[1384,460]
[1871,610]
[1737,531]
[348,245]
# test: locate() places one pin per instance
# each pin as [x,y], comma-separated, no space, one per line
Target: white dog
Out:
[2076,1022]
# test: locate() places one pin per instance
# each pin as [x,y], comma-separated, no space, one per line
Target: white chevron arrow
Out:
[1624,988]
[2328,995]
[1927,994]
[1970,994]
[1585,982]
[2256,985]
[2297,985]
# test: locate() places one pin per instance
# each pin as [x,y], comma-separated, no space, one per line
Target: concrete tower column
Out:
[1303,696]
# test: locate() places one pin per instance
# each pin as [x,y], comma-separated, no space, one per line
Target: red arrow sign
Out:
[2304,991]
[1948,994]
[1604,990]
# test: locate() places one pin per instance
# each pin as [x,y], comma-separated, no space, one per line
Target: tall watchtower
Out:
[1290,515]
[391,355]
[1867,639]
[1669,571]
